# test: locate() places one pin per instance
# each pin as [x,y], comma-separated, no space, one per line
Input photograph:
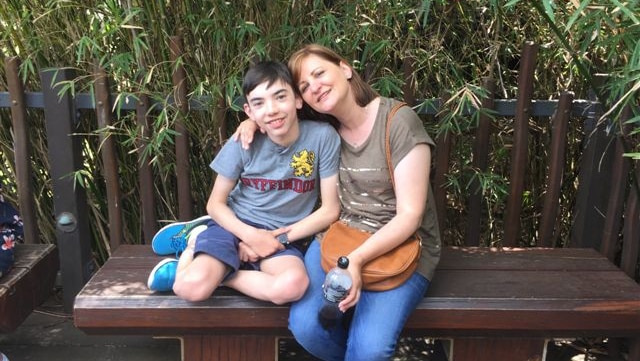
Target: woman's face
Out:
[323,84]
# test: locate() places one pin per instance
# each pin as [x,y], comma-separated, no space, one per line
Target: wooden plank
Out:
[475,292]
[595,179]
[550,209]
[145,173]
[183,167]
[615,206]
[497,349]
[230,348]
[28,284]
[443,153]
[22,151]
[480,162]
[631,231]
[520,151]
[108,156]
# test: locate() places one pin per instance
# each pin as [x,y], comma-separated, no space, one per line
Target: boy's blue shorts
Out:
[223,245]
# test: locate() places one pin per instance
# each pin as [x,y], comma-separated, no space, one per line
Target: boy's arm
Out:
[263,242]
[322,217]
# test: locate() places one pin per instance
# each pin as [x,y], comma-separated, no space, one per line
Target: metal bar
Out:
[22,153]
[520,151]
[70,200]
[503,107]
[109,161]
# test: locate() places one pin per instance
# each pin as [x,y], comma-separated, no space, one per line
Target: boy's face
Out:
[274,109]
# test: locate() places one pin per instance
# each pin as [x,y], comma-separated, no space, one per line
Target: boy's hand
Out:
[263,243]
[246,253]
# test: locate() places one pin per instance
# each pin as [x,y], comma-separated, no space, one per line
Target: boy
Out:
[262,202]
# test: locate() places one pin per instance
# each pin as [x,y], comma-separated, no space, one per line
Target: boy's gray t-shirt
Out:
[279,186]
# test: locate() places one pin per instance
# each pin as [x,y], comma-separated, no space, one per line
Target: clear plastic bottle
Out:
[335,288]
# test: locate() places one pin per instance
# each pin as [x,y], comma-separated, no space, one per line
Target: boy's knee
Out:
[290,287]
[192,289]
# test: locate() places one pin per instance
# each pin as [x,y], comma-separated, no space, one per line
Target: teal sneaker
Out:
[163,275]
[172,238]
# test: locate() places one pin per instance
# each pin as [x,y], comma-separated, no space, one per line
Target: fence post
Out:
[480,163]
[108,154]
[145,173]
[22,152]
[559,128]
[619,186]
[69,199]
[594,179]
[520,154]
[183,169]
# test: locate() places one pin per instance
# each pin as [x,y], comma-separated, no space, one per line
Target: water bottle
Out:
[335,288]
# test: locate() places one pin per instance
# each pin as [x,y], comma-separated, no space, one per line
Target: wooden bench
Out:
[28,284]
[496,304]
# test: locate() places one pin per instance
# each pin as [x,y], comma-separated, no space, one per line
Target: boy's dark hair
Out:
[269,71]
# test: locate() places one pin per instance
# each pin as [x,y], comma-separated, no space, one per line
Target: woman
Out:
[330,86]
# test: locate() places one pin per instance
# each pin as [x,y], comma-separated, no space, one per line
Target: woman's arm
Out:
[245,132]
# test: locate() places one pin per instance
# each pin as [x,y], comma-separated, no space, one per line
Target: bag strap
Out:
[387,139]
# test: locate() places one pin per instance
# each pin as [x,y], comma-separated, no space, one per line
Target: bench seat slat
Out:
[556,293]
[28,284]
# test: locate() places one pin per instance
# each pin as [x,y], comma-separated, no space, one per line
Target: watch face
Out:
[283,238]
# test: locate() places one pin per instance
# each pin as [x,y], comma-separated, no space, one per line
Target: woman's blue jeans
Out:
[374,329]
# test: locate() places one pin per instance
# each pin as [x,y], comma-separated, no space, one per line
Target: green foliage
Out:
[451,45]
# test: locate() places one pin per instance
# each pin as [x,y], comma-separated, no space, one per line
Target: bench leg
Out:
[634,349]
[498,349]
[229,348]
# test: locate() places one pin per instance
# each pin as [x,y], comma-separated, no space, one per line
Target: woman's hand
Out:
[356,288]
[245,132]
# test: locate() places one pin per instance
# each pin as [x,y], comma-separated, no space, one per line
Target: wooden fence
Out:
[597,219]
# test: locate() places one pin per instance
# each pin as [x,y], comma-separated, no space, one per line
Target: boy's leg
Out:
[202,267]
[281,279]
[197,278]
[163,275]
[172,238]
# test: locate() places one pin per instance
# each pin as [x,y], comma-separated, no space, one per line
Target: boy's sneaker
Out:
[163,275]
[172,238]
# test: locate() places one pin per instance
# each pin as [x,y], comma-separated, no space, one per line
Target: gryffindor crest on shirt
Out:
[302,163]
